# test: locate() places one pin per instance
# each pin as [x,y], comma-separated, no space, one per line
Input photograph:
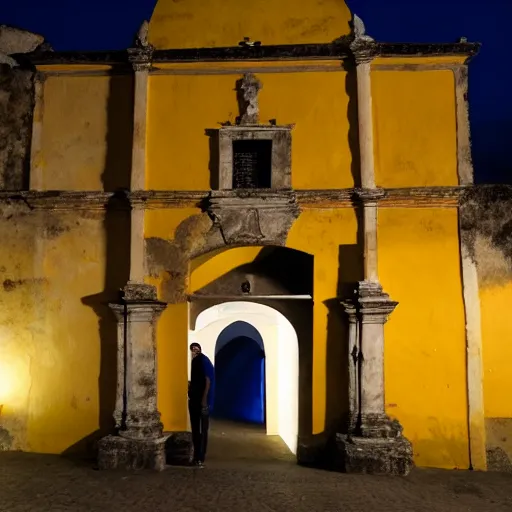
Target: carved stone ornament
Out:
[141,55]
[248,218]
[141,39]
[363,46]
[374,306]
[14,40]
[248,90]
[140,58]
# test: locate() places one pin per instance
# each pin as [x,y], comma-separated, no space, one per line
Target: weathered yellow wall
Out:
[86,134]
[172,331]
[208,23]
[425,355]
[495,303]
[415,128]
[181,109]
[50,340]
[326,234]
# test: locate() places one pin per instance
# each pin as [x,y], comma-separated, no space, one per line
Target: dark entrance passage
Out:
[240,375]
[240,382]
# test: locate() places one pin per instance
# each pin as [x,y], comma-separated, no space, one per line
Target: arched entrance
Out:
[229,323]
[240,375]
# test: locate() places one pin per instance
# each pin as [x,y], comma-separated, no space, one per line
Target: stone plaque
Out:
[252,164]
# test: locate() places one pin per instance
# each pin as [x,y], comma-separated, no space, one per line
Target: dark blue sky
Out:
[110,24]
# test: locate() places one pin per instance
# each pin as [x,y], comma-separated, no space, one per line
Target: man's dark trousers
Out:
[199,422]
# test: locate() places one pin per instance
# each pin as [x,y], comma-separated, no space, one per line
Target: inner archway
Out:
[214,329]
[240,375]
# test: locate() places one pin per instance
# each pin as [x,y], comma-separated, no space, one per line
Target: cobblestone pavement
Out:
[231,482]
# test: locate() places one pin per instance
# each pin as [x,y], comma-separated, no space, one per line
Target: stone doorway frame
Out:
[275,330]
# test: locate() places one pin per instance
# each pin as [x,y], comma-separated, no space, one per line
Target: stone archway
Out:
[281,349]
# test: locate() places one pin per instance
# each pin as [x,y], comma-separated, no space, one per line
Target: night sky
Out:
[110,25]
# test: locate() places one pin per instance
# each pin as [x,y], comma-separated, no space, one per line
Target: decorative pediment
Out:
[256,217]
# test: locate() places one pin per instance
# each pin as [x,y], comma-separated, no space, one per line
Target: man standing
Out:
[200,401]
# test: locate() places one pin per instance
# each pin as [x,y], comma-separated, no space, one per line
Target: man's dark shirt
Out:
[201,368]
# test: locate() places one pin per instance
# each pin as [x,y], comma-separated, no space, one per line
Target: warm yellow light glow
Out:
[6,382]
[13,381]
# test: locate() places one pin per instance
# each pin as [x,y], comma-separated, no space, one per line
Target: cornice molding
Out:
[342,49]
[424,197]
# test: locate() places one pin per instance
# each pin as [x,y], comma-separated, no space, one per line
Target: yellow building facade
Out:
[290,162]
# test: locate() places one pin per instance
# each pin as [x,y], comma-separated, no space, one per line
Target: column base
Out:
[390,456]
[116,452]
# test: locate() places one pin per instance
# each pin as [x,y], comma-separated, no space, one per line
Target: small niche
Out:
[252,164]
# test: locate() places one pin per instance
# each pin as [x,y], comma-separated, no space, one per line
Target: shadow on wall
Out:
[353,122]
[316,450]
[213,164]
[274,271]
[240,381]
[116,176]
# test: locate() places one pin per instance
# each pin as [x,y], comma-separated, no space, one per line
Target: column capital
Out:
[371,304]
[363,50]
[141,57]
[374,305]
[138,302]
[369,196]
[139,292]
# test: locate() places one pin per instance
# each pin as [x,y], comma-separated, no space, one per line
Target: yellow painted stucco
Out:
[495,305]
[425,355]
[74,132]
[178,152]
[414,128]
[208,23]
[86,132]
[53,274]
[172,332]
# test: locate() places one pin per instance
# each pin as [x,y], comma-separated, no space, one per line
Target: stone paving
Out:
[262,478]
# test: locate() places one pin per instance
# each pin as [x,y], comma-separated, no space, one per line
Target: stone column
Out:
[141,62]
[373,442]
[470,286]
[139,442]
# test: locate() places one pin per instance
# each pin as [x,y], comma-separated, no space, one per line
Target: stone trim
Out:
[140,58]
[339,50]
[420,197]
[281,152]
[464,160]
[470,288]
[306,66]
[36,171]
[247,218]
[474,365]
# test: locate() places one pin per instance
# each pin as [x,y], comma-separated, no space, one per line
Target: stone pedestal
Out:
[139,442]
[373,455]
[372,443]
